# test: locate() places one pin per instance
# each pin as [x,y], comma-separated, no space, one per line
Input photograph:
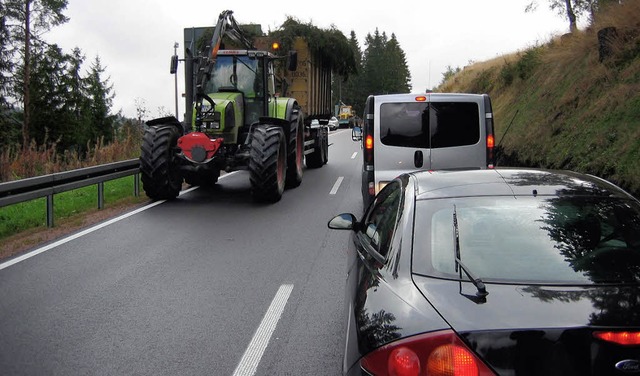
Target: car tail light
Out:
[620,338]
[438,353]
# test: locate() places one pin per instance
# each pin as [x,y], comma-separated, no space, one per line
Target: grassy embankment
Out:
[569,109]
[24,225]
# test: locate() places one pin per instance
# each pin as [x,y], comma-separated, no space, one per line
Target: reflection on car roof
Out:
[511,181]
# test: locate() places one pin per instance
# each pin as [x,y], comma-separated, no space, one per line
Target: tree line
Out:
[45,94]
[381,69]
[48,97]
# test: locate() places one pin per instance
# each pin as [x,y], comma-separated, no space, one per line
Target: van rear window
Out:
[448,123]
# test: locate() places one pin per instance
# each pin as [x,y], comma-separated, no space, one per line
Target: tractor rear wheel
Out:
[161,179]
[318,158]
[295,159]
[268,163]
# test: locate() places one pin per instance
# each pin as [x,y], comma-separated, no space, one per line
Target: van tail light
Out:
[491,142]
[368,142]
[490,151]
[620,338]
[439,353]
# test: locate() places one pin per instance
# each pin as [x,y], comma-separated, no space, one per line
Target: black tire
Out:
[268,163]
[161,179]
[325,144]
[317,158]
[295,159]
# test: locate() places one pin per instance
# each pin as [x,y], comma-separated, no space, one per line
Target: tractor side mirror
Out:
[293,60]
[174,64]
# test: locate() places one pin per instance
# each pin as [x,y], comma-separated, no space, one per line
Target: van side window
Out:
[380,223]
[429,125]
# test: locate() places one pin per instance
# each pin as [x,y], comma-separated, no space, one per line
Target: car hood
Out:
[541,330]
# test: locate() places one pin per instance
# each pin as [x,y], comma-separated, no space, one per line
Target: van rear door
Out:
[401,136]
[456,127]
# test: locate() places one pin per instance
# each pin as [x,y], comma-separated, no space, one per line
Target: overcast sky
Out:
[134,38]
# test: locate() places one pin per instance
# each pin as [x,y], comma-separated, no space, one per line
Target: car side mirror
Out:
[344,221]
[356,133]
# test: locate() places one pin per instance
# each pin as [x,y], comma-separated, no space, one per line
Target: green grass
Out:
[32,214]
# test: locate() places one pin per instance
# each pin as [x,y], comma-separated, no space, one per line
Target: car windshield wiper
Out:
[460,267]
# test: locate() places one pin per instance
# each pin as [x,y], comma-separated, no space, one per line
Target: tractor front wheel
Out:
[161,179]
[268,163]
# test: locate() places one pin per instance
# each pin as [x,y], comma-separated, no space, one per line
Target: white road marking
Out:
[354,155]
[252,355]
[38,251]
[334,190]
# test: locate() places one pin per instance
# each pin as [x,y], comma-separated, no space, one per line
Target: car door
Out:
[366,259]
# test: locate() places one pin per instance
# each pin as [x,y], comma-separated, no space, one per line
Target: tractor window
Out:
[235,73]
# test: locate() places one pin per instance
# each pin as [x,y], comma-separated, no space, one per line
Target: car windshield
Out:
[549,240]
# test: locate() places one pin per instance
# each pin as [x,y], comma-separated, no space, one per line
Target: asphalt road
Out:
[208,284]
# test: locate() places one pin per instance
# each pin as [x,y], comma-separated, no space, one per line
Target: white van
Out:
[434,131]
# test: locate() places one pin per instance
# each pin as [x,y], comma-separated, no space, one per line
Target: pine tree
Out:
[100,95]
[9,125]
[27,21]
[385,69]
[399,75]
[48,95]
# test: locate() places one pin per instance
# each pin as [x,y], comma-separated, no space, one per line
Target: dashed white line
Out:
[334,190]
[353,156]
[253,354]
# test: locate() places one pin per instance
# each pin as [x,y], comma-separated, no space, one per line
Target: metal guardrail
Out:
[14,192]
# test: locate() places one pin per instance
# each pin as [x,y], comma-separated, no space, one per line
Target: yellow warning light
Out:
[275,45]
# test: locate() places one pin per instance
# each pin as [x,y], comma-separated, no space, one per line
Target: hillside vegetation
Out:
[571,109]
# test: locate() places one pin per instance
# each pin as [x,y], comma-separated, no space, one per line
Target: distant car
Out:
[333,123]
[494,272]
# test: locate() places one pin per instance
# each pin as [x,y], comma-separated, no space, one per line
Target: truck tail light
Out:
[438,353]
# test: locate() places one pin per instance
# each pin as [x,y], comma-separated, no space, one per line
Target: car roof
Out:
[512,182]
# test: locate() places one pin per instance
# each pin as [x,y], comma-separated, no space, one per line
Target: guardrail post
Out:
[50,210]
[136,185]
[100,195]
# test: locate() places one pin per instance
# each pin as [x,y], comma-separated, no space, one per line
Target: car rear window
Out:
[555,240]
[429,125]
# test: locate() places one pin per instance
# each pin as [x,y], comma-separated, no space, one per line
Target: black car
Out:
[494,272]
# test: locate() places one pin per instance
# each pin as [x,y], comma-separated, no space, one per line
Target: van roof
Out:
[429,96]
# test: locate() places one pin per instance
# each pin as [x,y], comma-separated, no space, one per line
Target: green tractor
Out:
[238,122]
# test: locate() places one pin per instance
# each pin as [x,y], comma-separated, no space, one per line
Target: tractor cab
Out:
[242,84]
